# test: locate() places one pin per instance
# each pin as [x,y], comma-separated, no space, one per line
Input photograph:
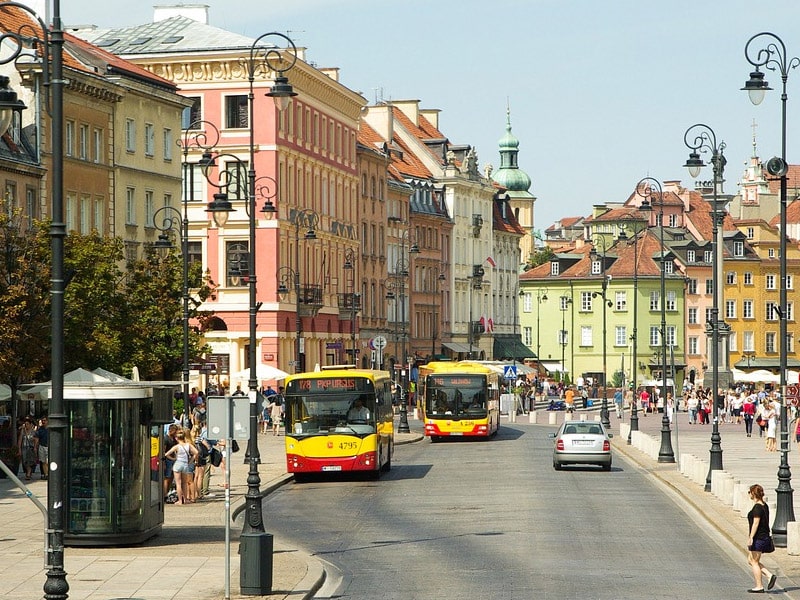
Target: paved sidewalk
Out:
[186,561]
[744,458]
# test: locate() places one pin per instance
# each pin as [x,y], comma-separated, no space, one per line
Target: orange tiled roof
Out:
[425,131]
[792,181]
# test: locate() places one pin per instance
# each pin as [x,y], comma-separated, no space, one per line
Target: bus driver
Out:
[358,412]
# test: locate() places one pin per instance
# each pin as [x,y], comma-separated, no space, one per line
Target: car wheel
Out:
[607,467]
[557,465]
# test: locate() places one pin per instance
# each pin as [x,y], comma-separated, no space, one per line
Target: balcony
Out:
[310,301]
[349,304]
[478,328]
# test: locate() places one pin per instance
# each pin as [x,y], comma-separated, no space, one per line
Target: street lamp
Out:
[565,301]
[648,188]
[773,56]
[352,300]
[437,277]
[49,48]
[306,297]
[541,296]
[475,283]
[644,206]
[397,281]
[261,61]
[701,138]
[606,305]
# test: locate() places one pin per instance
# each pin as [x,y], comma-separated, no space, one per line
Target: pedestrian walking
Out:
[27,449]
[748,414]
[770,417]
[618,399]
[759,540]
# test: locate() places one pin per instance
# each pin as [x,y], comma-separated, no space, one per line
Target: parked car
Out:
[582,442]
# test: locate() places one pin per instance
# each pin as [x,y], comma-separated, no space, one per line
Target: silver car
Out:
[582,442]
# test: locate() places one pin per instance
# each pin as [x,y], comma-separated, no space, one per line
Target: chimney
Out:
[195,12]
[381,119]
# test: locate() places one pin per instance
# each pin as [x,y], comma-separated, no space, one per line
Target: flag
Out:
[490,260]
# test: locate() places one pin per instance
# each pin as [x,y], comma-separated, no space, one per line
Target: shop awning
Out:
[458,347]
[510,347]
[553,366]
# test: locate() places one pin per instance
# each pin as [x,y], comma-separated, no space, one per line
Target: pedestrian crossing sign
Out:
[510,372]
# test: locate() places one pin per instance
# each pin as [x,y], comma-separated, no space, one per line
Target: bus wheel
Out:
[300,477]
[435,438]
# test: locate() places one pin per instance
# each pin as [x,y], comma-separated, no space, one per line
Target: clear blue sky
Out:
[601,91]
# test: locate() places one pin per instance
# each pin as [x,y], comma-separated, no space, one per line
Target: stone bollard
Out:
[739,496]
[532,417]
[551,418]
[416,414]
[700,472]
[597,418]
[727,489]
[685,461]
[793,538]
[624,430]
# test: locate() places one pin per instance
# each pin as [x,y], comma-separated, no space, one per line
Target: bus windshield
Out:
[463,402]
[345,412]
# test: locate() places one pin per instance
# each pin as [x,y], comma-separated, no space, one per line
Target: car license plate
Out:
[332,468]
[581,442]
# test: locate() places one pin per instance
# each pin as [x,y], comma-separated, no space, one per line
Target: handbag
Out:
[234,446]
[216,457]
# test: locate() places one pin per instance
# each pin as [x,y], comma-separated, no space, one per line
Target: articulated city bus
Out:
[459,399]
[339,419]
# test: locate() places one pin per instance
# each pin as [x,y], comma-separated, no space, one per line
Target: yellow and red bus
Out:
[459,399]
[339,419]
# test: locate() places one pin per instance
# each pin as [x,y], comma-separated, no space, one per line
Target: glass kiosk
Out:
[114,449]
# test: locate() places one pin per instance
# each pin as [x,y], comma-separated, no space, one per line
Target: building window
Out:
[149,208]
[668,267]
[621,335]
[709,316]
[730,278]
[597,267]
[747,309]
[562,338]
[730,309]
[167,142]
[748,341]
[586,335]
[97,151]
[692,316]
[86,214]
[690,256]
[130,206]
[738,249]
[672,301]
[564,302]
[236,180]
[707,256]
[553,268]
[790,311]
[789,282]
[620,301]
[769,342]
[586,301]
[709,287]
[69,138]
[190,118]
[83,142]
[671,337]
[130,135]
[527,336]
[748,278]
[771,253]
[236,112]
[527,302]
[771,312]
[99,215]
[691,286]
[238,261]
[655,303]
[655,337]
[149,139]
[733,342]
[693,346]
[751,233]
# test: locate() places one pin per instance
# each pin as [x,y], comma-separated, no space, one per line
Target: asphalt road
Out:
[465,520]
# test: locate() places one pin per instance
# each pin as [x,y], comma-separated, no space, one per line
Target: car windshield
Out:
[582,428]
[348,413]
[466,402]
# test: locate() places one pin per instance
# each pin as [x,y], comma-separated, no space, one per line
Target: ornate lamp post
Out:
[644,206]
[701,138]
[308,219]
[606,305]
[773,56]
[352,301]
[48,44]
[564,303]
[437,277]
[541,296]
[262,60]
[648,188]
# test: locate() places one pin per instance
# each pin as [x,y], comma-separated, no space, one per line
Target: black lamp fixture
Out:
[48,43]
[9,104]
[594,256]
[650,189]
[774,57]
[701,138]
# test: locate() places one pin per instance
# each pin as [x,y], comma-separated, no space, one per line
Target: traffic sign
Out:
[379,342]
[510,372]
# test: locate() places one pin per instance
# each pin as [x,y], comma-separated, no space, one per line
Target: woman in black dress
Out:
[759,539]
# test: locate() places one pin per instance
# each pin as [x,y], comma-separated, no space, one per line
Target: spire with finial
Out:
[509,175]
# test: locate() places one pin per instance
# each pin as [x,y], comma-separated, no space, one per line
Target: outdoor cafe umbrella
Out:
[263,373]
